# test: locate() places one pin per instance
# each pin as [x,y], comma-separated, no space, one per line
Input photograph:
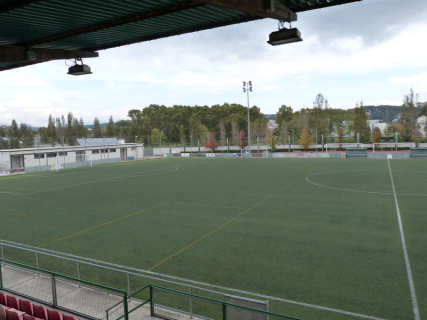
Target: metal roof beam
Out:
[4,8]
[263,8]
[328,4]
[12,54]
[116,23]
[176,33]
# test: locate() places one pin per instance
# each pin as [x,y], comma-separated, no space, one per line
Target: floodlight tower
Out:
[247,87]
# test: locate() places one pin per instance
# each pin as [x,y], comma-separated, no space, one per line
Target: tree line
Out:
[157,124]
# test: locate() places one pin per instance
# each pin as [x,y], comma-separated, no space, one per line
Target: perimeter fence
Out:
[100,301]
[63,292]
[123,278]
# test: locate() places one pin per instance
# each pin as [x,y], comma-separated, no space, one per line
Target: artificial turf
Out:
[317,231]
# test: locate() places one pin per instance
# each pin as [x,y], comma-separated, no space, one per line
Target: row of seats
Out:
[9,305]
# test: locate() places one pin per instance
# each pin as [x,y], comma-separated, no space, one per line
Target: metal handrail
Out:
[127,272]
[225,303]
[55,274]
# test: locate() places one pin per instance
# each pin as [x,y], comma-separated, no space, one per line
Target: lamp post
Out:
[247,87]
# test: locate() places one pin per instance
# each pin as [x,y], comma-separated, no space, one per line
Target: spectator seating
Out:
[54,315]
[39,312]
[13,302]
[3,299]
[26,306]
[12,308]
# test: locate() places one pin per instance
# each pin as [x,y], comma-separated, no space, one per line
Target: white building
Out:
[421,120]
[18,159]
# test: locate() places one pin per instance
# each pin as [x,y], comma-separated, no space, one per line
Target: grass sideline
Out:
[252,224]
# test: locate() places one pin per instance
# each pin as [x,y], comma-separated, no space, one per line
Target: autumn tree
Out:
[242,140]
[305,139]
[211,144]
[272,141]
[376,137]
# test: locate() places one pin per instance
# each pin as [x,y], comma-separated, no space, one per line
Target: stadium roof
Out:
[35,31]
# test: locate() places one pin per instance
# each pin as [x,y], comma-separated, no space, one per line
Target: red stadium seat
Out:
[26,306]
[13,302]
[13,315]
[65,317]
[54,315]
[39,312]
[3,299]
[28,317]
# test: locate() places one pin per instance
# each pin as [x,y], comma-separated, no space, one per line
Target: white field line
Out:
[132,175]
[405,252]
[199,283]
[351,190]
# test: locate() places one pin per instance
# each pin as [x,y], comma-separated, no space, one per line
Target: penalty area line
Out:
[405,251]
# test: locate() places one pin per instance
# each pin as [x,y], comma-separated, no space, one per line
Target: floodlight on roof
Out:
[284,36]
[79,69]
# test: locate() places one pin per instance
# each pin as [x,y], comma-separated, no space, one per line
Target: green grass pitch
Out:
[323,232]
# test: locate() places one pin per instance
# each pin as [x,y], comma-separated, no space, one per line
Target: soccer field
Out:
[314,234]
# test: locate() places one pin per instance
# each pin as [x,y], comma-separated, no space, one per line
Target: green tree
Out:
[284,113]
[320,117]
[42,132]
[2,132]
[156,135]
[51,131]
[361,125]
[97,132]
[408,119]
[70,130]
[26,136]
[340,137]
[13,135]
[110,130]
[182,135]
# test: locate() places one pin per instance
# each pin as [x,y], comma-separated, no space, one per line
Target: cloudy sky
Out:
[372,51]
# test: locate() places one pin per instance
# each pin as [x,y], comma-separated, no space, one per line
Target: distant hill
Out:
[90,126]
[271,116]
[380,112]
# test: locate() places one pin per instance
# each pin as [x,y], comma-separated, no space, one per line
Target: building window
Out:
[39,156]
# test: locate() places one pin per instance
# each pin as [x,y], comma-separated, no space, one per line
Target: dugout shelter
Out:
[418,153]
[356,153]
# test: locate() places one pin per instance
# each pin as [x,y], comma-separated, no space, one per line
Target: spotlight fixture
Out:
[284,36]
[79,69]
